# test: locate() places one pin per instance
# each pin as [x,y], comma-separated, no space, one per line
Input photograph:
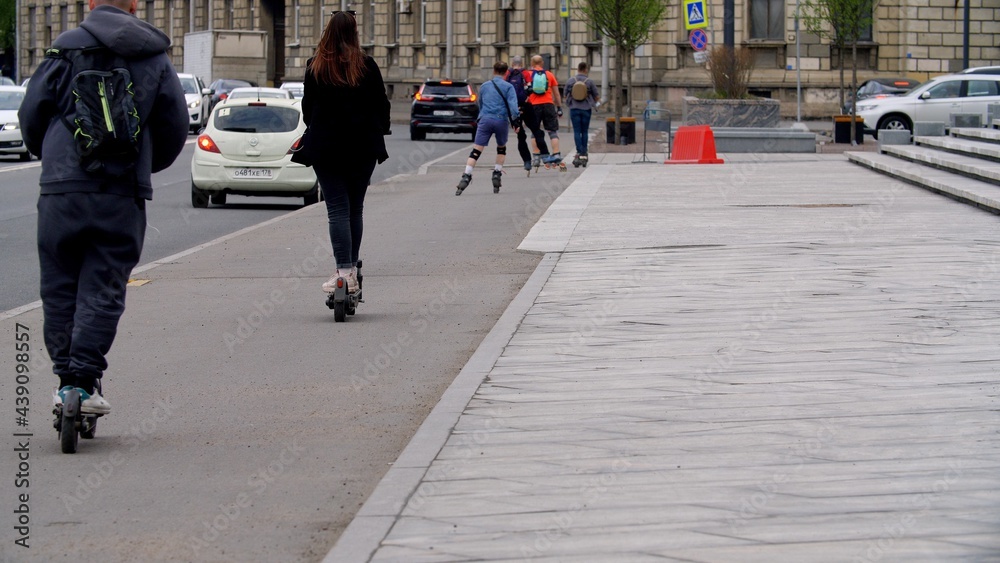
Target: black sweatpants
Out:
[529,122]
[88,244]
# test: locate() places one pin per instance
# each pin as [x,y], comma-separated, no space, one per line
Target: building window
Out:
[394,25]
[423,21]
[296,14]
[230,9]
[368,23]
[253,15]
[534,13]
[504,21]
[767,19]
[479,20]
[48,26]
[80,12]
[150,11]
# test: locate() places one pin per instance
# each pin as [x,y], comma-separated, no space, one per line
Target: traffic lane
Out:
[248,425]
[173,224]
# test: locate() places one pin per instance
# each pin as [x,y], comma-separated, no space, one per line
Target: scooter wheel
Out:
[339,311]
[67,431]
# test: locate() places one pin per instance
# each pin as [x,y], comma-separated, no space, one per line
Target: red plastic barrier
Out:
[693,144]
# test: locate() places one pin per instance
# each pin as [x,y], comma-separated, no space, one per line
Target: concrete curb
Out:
[380,512]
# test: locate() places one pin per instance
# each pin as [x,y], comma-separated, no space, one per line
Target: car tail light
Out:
[223,96]
[900,83]
[421,97]
[206,144]
[470,98]
[256,104]
[295,146]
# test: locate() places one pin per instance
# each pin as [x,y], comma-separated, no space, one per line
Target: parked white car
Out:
[246,149]
[934,100]
[296,88]
[259,93]
[10,129]
[199,100]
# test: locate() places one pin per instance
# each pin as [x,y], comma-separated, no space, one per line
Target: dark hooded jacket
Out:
[159,100]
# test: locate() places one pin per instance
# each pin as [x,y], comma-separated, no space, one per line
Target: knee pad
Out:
[553,134]
[475,154]
[502,150]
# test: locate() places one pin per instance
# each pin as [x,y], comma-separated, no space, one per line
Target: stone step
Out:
[974,192]
[971,166]
[981,149]
[977,133]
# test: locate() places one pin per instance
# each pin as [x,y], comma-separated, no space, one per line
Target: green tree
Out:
[7,24]
[844,23]
[627,24]
[8,27]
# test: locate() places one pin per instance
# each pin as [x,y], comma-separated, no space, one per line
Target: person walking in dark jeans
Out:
[347,112]
[515,75]
[581,100]
[91,224]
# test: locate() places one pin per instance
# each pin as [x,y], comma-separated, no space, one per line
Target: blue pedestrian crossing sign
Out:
[694,14]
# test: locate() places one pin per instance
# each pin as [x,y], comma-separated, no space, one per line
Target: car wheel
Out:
[417,135]
[199,198]
[312,196]
[219,198]
[25,156]
[895,122]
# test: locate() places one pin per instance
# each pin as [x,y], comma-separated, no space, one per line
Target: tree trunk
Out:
[841,61]
[854,88]
[631,61]
[619,64]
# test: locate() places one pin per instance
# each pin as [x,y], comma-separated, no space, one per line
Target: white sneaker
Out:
[89,403]
[94,404]
[349,274]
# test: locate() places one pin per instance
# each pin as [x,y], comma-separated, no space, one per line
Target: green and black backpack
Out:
[103,118]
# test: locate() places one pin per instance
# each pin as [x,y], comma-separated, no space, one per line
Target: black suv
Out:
[443,106]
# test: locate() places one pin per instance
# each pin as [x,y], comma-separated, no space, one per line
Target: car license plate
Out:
[253,173]
[443,112]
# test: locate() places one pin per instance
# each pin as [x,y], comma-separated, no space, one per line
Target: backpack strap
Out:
[510,117]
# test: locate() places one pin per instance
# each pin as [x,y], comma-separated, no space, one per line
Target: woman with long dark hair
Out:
[347,113]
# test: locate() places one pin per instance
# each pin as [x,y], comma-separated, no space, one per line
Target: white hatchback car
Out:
[934,100]
[246,149]
[259,93]
[10,128]
[199,100]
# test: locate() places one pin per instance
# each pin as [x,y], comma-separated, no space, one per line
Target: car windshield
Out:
[11,100]
[190,85]
[445,90]
[257,119]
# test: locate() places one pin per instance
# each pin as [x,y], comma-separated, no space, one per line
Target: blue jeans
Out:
[580,118]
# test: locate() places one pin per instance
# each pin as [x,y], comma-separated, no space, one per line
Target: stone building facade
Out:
[915,38]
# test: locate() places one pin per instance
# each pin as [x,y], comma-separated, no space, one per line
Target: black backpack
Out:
[103,118]
[516,79]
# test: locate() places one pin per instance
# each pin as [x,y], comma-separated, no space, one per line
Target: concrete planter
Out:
[760,112]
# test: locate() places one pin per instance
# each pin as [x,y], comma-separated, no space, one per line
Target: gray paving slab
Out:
[779,358]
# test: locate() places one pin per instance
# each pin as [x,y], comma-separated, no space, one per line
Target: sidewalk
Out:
[782,358]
